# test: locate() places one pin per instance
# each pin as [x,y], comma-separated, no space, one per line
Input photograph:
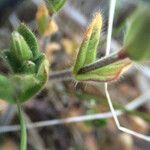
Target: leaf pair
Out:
[29,67]
[87,56]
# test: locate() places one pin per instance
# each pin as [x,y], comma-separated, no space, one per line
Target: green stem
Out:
[68,75]
[102,62]
[23,144]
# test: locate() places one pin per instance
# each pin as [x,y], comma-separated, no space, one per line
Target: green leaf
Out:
[42,68]
[28,84]
[25,86]
[28,75]
[22,87]
[6,90]
[12,63]
[28,67]
[108,73]
[88,50]
[94,40]
[55,6]
[19,48]
[137,39]
[30,39]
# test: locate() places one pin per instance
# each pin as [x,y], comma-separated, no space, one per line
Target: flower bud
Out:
[29,67]
[88,49]
[19,48]
[137,39]
[30,39]
[42,68]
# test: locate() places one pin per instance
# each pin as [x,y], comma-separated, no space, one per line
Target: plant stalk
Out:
[23,144]
[101,63]
[61,75]
[67,74]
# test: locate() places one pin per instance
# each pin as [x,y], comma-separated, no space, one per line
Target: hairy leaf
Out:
[28,75]
[107,73]
[6,90]
[88,50]
[30,39]
[19,48]
[12,63]
[24,87]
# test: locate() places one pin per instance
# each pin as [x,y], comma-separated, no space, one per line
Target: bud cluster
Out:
[29,66]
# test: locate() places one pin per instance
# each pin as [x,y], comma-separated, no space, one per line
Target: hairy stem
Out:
[67,74]
[61,75]
[101,63]
[23,144]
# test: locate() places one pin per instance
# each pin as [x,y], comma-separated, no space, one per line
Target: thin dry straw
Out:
[108,45]
[131,106]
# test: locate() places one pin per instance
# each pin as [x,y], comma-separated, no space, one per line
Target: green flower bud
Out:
[19,48]
[42,68]
[55,6]
[29,67]
[30,38]
[137,39]
[88,49]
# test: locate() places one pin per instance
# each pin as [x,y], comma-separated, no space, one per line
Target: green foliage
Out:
[99,123]
[29,67]
[19,48]
[137,39]
[55,6]
[107,73]
[6,90]
[88,49]
[30,38]
[87,56]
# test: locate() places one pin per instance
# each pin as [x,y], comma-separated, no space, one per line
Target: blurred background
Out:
[64,99]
